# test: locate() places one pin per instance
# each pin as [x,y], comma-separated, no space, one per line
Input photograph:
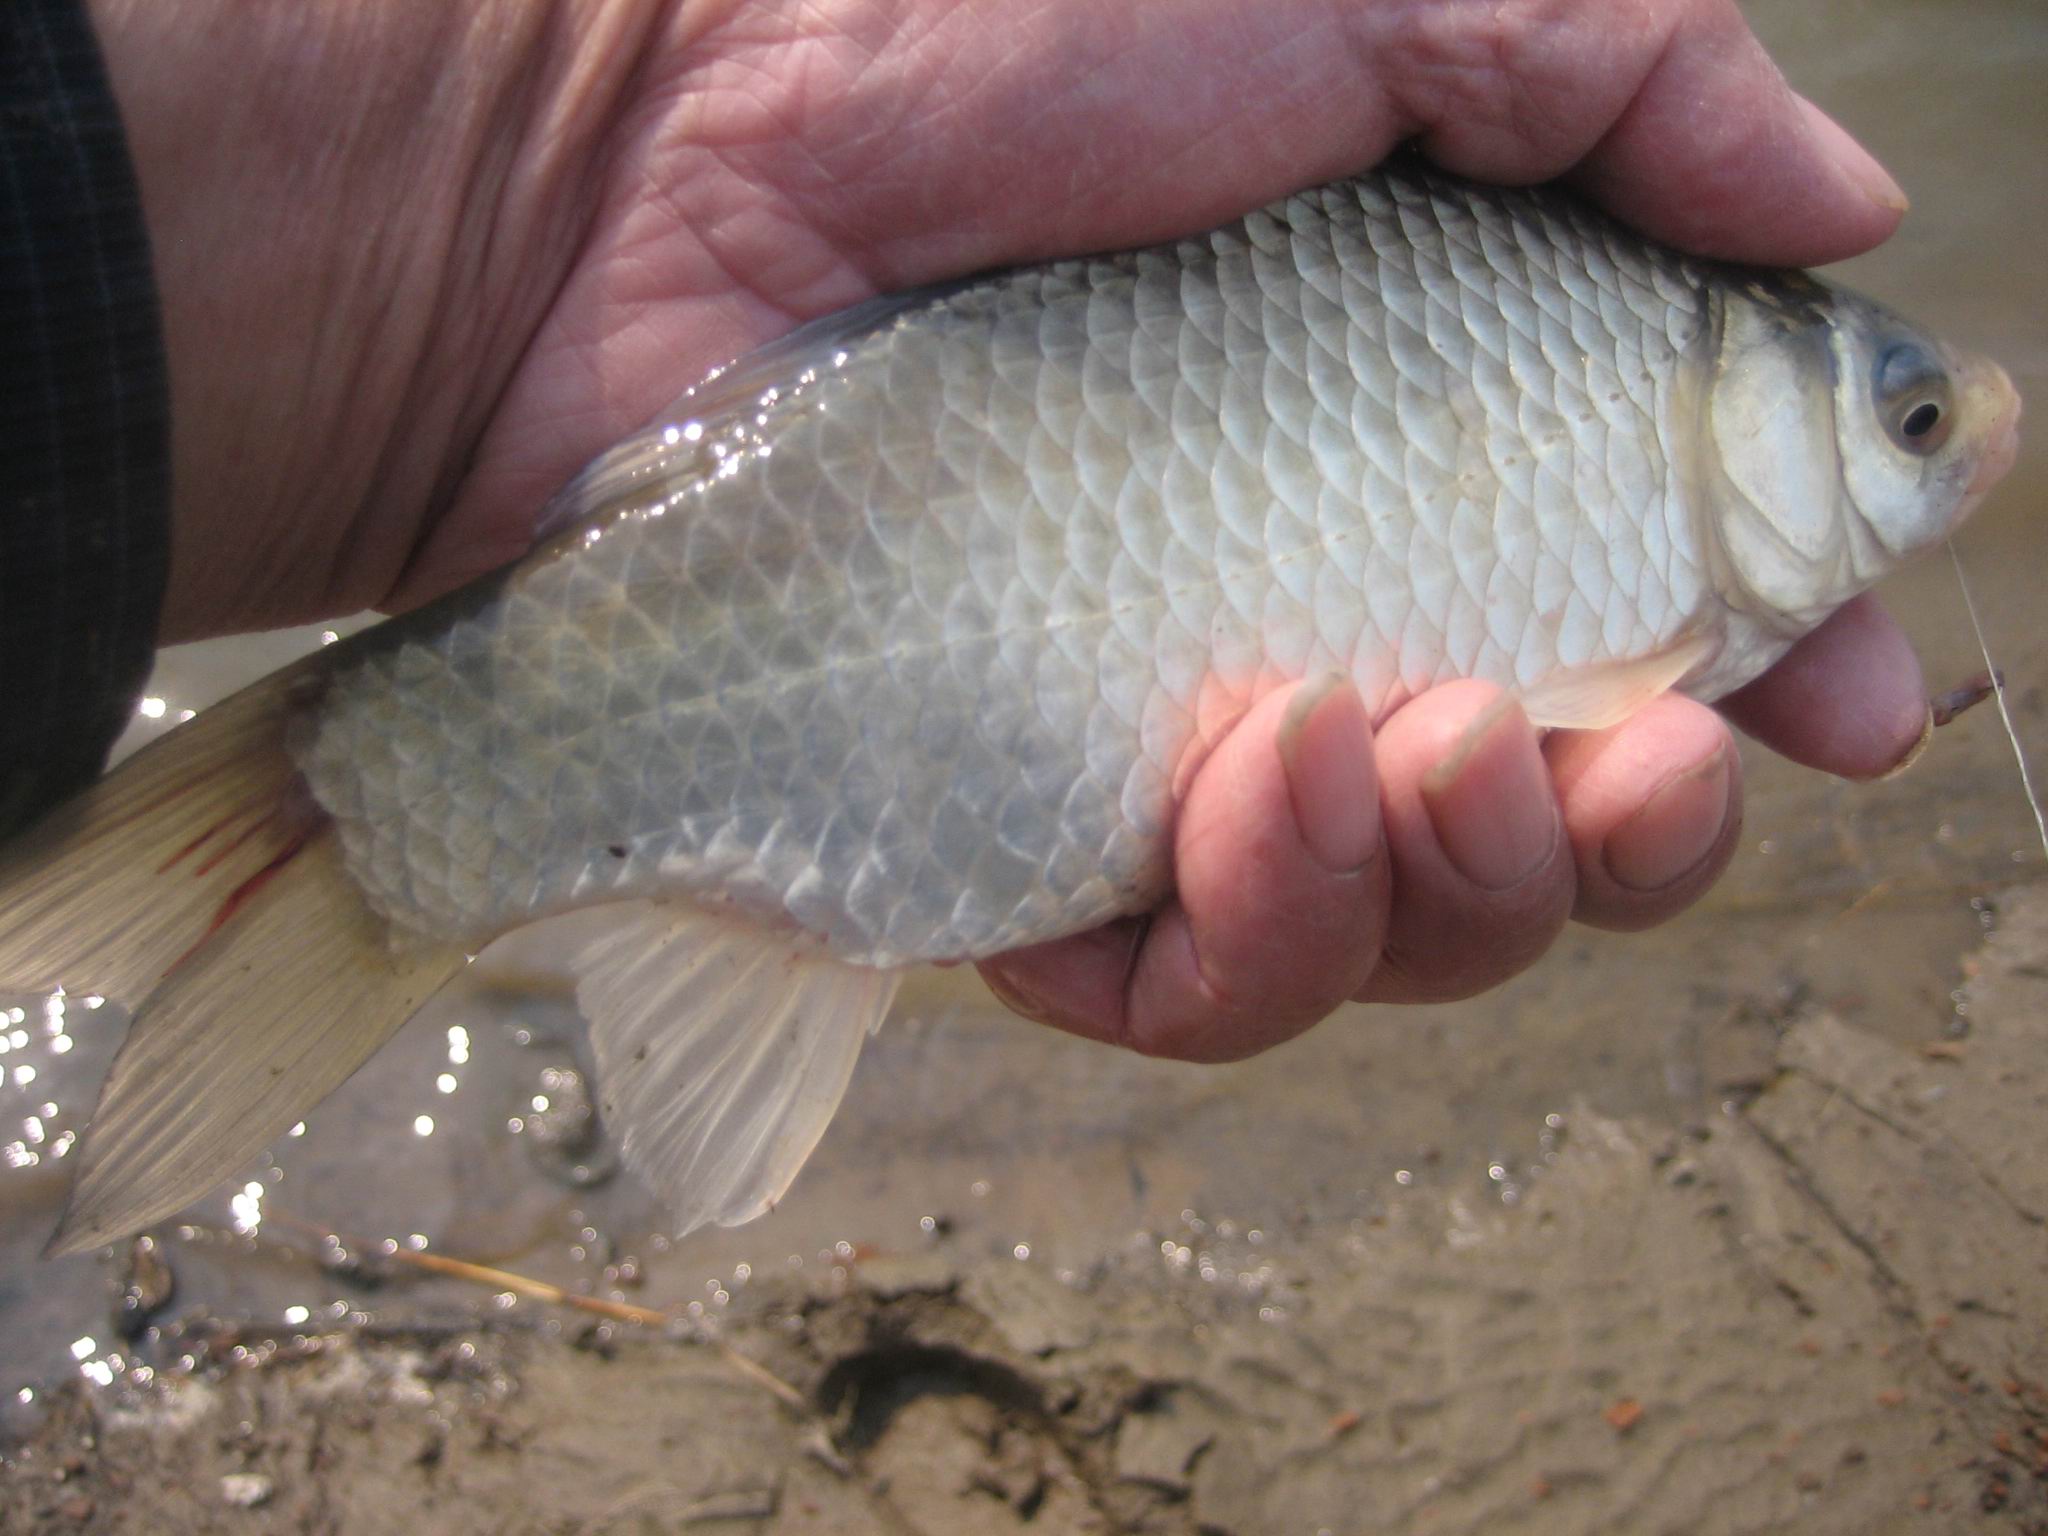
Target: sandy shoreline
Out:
[1827,1311]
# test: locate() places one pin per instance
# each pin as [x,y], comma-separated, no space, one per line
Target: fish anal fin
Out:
[1591,698]
[258,1023]
[722,1051]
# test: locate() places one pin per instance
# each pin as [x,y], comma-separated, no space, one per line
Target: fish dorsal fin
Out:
[722,1051]
[659,451]
[1590,698]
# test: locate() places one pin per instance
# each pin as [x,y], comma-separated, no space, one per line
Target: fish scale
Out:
[1008,560]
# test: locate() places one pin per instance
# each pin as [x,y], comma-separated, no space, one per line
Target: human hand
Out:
[422,258]
[1296,891]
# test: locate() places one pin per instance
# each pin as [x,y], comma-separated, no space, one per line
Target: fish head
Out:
[1840,440]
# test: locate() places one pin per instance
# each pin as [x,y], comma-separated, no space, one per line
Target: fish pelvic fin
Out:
[271,1011]
[722,1051]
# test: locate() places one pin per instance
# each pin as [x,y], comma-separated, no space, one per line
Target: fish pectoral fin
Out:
[1607,693]
[261,1021]
[722,1050]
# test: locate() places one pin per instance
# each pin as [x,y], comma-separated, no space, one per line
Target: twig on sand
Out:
[484,1274]
[544,1290]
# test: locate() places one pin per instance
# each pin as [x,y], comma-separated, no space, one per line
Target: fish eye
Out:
[1911,391]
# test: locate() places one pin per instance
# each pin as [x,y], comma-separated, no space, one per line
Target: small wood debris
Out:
[1944,707]
[1623,1414]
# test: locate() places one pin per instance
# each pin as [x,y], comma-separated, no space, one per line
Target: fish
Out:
[897,641]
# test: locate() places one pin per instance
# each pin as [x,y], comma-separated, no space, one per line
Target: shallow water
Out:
[1023,1142]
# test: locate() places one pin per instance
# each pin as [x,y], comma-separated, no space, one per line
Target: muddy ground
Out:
[1826,1310]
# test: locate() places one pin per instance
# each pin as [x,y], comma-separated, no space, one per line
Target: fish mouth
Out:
[2002,439]
[1986,387]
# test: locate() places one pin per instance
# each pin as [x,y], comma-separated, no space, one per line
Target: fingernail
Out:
[1325,743]
[1914,752]
[1491,800]
[1853,160]
[1662,843]
[1015,998]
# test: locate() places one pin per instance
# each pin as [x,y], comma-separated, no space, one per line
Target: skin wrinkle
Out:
[1239,123]
[817,92]
[397,386]
[723,115]
[1482,93]
[316,164]
[995,92]
[1704,771]
[1014,93]
[531,183]
[489,252]
[662,211]
[354,375]
[1410,973]
[1527,918]
[1727,149]
[1597,774]
[1218,1007]
[1517,923]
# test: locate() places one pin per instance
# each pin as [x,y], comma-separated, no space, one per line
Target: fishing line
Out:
[1998,692]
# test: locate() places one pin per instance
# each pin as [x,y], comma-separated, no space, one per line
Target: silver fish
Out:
[896,642]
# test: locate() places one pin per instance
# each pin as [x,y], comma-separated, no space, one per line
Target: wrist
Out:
[352,239]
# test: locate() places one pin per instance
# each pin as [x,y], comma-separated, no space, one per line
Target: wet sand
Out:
[1821,1311]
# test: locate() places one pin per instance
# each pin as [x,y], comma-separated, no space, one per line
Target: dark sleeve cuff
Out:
[84,414]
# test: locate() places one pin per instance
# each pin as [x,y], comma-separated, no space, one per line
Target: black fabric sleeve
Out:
[84,414]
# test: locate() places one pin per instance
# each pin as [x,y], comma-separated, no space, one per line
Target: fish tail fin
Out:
[269,1015]
[110,890]
[201,882]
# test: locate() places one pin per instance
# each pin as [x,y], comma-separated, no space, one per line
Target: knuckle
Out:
[1526,87]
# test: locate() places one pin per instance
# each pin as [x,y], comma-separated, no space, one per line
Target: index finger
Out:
[1717,154]
[1670,114]
[1848,699]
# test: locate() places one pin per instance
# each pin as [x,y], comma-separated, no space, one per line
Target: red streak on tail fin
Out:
[207,836]
[213,859]
[249,887]
[239,897]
